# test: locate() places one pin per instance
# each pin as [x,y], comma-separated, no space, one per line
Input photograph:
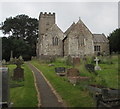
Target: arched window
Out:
[55,41]
[81,41]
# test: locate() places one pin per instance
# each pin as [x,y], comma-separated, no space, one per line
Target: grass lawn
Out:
[24,95]
[108,76]
[74,96]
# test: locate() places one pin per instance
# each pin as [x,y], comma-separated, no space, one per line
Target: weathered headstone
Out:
[5,87]
[18,71]
[11,58]
[74,77]
[72,72]
[60,71]
[69,60]
[97,67]
[90,68]
[50,65]
[3,62]
[76,61]
[84,59]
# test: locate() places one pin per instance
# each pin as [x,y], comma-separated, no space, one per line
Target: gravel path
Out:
[47,97]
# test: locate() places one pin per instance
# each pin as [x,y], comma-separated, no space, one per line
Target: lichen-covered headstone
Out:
[3,62]
[72,72]
[11,58]
[76,61]
[18,71]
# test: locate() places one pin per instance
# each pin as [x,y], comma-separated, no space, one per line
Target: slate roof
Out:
[99,38]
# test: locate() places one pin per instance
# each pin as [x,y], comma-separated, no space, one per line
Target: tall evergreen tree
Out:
[114,39]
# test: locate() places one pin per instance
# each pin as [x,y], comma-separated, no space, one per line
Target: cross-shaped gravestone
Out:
[97,67]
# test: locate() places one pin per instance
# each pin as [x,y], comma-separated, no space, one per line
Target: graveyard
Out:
[77,94]
[75,80]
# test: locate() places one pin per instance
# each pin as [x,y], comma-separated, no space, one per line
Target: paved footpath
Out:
[47,97]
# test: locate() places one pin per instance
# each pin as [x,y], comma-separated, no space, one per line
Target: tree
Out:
[19,48]
[20,26]
[24,29]
[114,40]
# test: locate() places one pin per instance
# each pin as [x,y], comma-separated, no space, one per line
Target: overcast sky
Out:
[99,17]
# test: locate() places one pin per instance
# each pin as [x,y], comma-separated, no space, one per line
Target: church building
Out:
[76,41]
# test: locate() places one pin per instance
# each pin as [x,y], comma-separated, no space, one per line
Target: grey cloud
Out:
[99,17]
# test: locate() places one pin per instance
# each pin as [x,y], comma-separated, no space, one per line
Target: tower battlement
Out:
[46,20]
[45,14]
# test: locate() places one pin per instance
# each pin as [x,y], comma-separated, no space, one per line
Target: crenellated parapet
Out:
[45,14]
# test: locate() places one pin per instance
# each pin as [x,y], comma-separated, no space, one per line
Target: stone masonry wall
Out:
[47,42]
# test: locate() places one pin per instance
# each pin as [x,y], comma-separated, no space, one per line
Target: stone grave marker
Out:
[72,72]
[51,65]
[60,71]
[11,58]
[74,76]
[4,62]
[18,71]
[84,59]
[97,67]
[76,61]
[90,68]
[5,89]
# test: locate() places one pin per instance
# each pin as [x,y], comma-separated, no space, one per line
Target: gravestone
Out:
[76,61]
[50,65]
[90,68]
[5,89]
[4,62]
[18,71]
[84,59]
[72,72]
[60,71]
[69,60]
[74,77]
[97,67]
[11,58]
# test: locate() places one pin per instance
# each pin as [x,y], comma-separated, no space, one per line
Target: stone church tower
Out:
[45,22]
[50,36]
